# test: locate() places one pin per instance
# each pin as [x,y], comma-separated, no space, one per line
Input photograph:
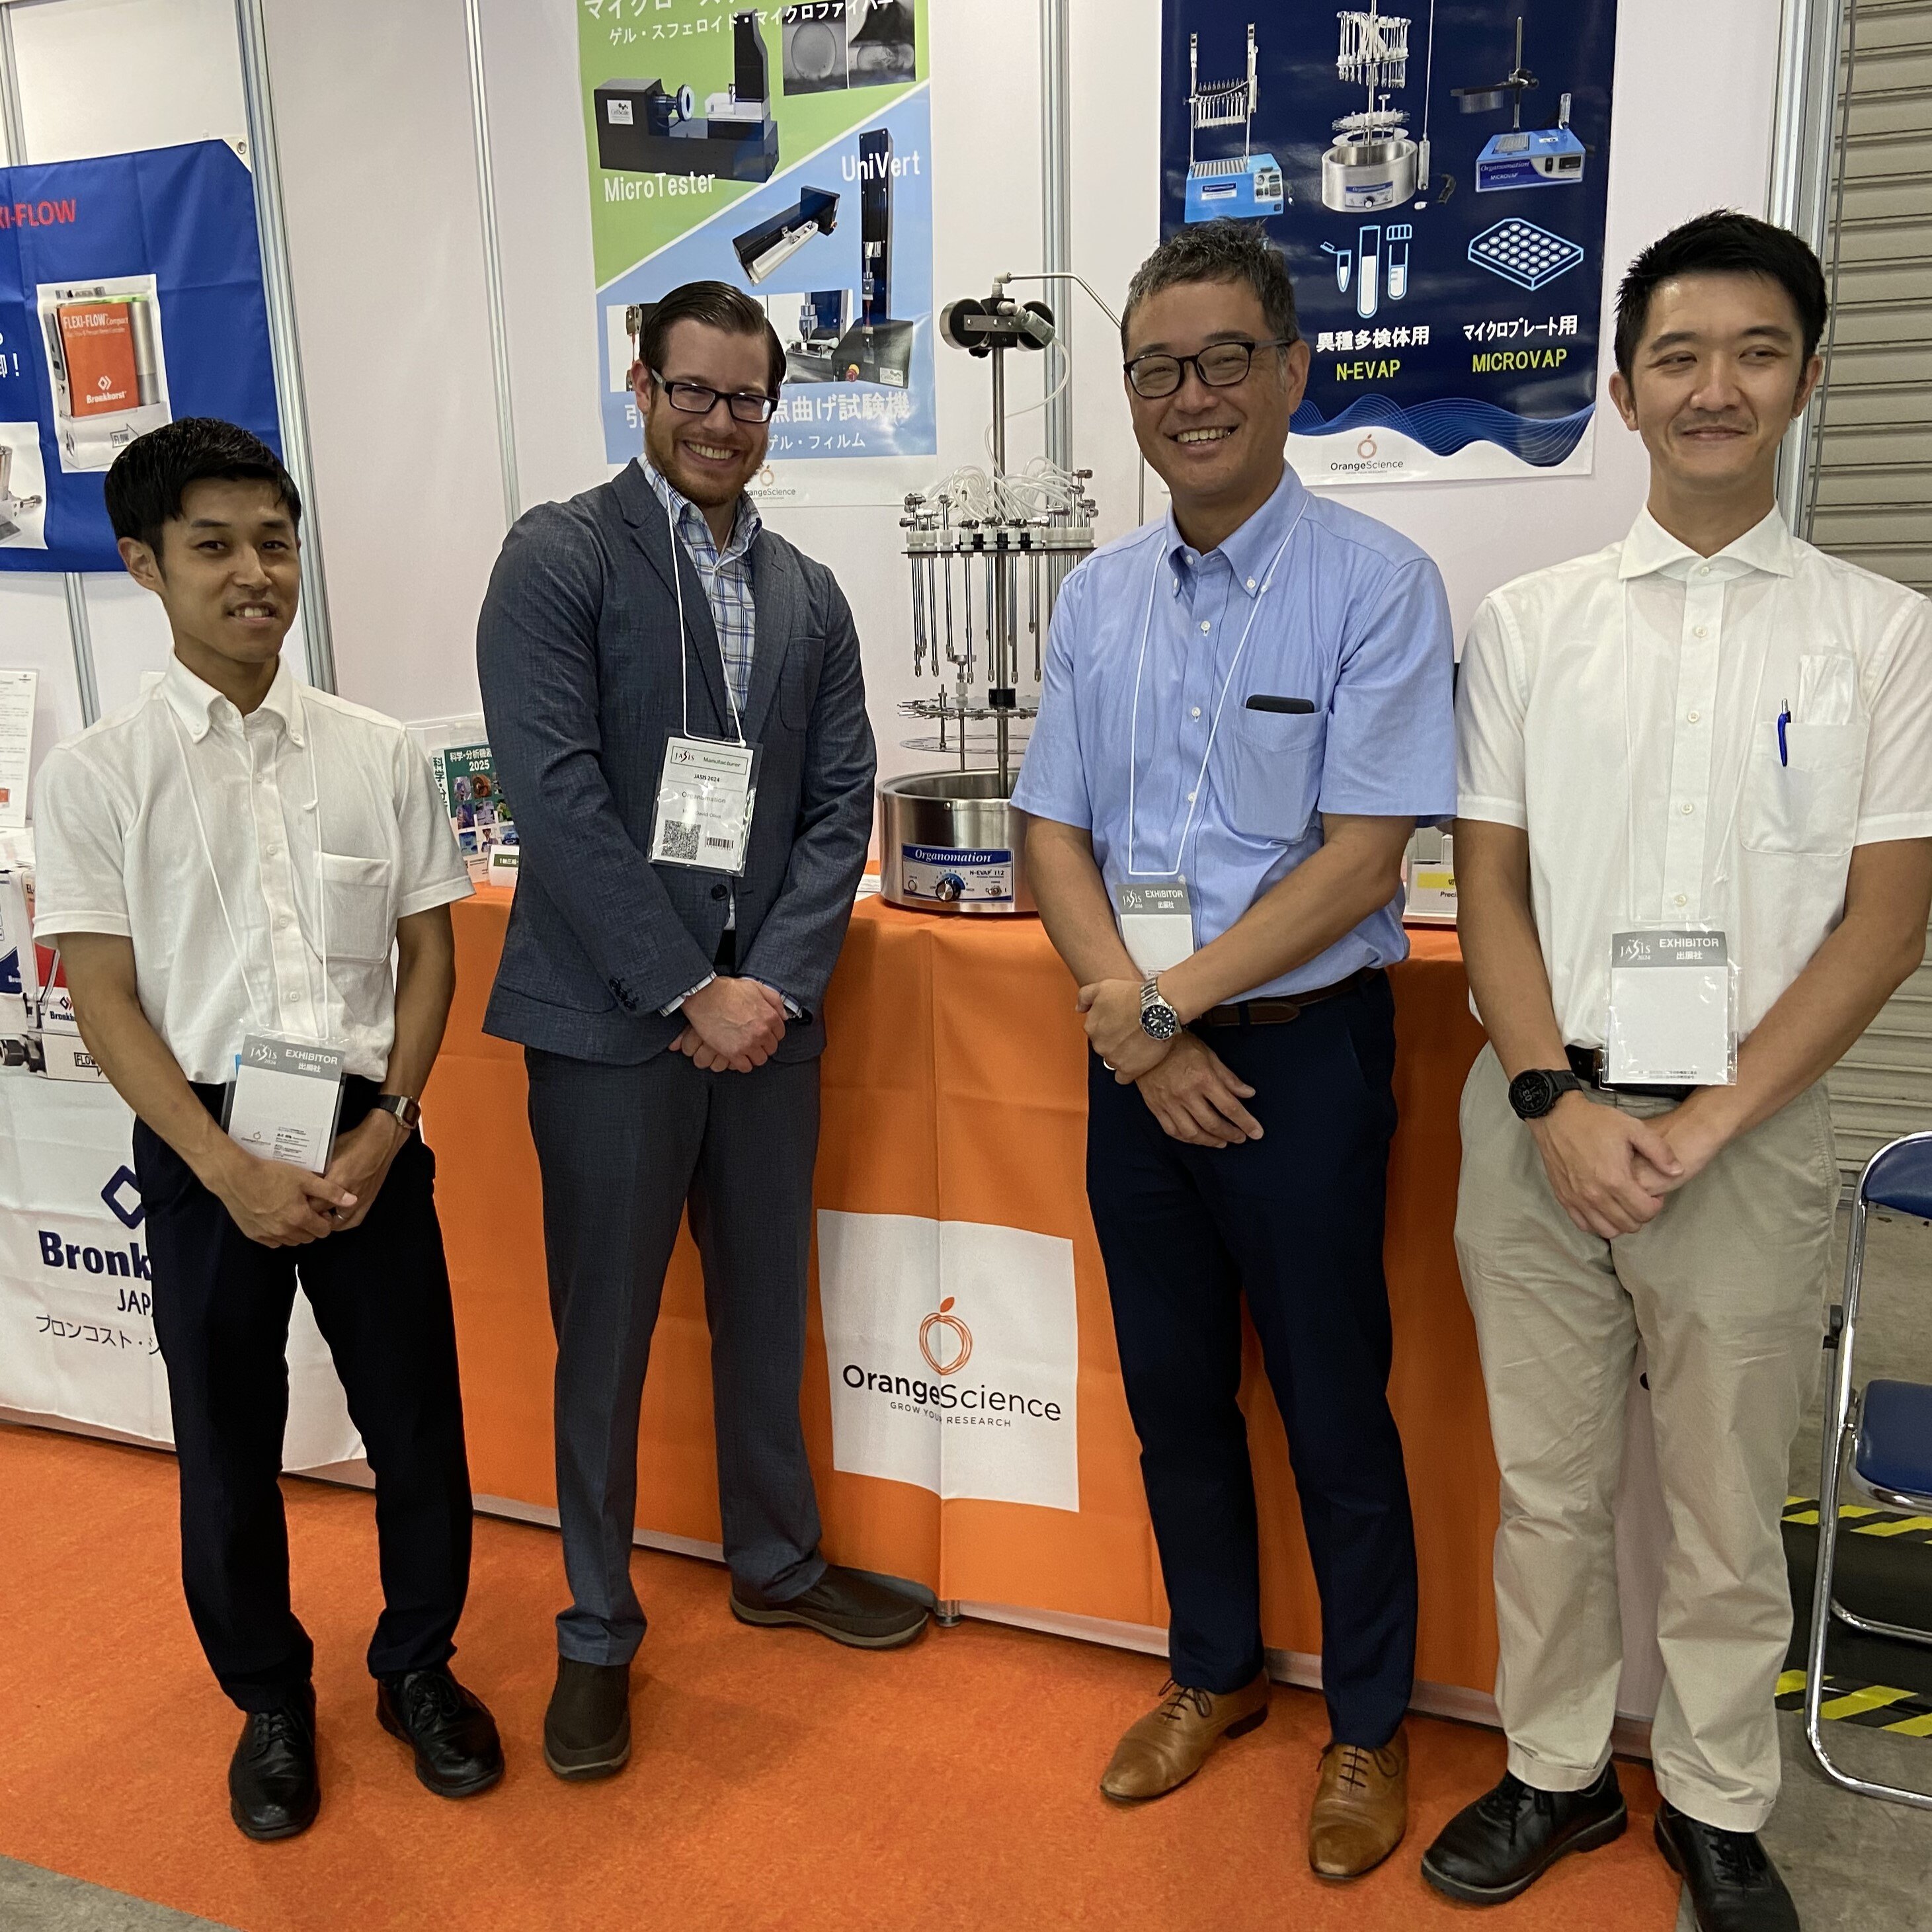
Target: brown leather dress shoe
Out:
[1361,1809]
[1167,1746]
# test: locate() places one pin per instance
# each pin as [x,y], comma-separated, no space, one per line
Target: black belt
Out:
[1279,1011]
[1587,1063]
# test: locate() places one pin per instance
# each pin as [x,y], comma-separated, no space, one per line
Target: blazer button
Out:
[717,891]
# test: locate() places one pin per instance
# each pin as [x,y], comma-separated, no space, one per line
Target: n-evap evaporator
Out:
[1373,163]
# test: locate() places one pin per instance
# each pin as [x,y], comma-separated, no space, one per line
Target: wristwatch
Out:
[1533,1093]
[1159,1021]
[405,1110]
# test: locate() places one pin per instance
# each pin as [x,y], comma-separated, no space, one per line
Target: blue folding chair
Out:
[1878,1439]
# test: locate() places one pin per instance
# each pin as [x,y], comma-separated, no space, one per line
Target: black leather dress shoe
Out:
[273,1791]
[455,1738]
[587,1728]
[1500,1846]
[842,1605]
[1734,1886]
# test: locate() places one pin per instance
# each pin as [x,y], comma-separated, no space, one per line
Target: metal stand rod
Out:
[278,289]
[1056,173]
[1809,41]
[493,264]
[946,1613]
[80,633]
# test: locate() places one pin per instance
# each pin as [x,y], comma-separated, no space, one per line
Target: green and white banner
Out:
[785,150]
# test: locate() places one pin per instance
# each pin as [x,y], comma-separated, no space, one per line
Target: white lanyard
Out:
[683,649]
[215,871]
[1227,684]
[1719,857]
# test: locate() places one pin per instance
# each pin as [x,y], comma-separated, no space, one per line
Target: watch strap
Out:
[406,1109]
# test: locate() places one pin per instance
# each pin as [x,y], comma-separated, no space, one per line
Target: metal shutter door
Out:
[1872,496]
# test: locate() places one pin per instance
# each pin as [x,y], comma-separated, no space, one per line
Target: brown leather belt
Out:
[1280,1011]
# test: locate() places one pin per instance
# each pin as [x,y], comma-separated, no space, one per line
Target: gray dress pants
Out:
[622,1150]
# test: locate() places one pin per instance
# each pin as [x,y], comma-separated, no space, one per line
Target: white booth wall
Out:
[372,99]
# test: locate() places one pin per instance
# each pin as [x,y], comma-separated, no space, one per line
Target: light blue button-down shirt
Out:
[1334,608]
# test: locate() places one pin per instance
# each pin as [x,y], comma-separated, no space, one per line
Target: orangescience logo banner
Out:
[895,1290]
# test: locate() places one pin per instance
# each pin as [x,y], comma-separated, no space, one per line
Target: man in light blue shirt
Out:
[1246,712]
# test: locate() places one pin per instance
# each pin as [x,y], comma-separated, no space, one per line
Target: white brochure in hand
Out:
[285,1100]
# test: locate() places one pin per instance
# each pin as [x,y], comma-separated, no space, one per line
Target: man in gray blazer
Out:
[670,1011]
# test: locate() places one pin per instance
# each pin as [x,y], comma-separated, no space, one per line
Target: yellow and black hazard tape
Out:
[1861,1519]
[1906,1713]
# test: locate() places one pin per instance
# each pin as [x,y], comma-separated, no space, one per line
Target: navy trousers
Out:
[381,1296]
[1294,1223]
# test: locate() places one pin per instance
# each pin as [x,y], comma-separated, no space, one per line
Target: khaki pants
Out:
[1726,1288]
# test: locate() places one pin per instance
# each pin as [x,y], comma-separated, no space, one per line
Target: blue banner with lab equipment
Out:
[131,296]
[1435,173]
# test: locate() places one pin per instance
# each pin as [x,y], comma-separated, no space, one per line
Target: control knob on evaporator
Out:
[950,889]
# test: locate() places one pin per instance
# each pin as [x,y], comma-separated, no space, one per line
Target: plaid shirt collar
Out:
[692,526]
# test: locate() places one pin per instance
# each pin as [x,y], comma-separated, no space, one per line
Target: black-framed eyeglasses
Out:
[1222,365]
[694,399]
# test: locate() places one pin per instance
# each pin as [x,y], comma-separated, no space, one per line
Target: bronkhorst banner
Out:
[76,1282]
[1436,174]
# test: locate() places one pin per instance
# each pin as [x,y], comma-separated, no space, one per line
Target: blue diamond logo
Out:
[130,1213]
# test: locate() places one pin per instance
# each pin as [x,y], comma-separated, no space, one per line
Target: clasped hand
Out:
[1611,1172]
[731,1025]
[1188,1087]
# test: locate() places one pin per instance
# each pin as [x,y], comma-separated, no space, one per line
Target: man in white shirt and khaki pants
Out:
[231,857]
[1711,727]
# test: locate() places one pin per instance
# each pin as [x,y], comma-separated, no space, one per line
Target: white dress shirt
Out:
[1624,708]
[180,824]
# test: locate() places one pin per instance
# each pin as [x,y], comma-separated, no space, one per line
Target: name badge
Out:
[1673,1010]
[706,797]
[286,1099]
[1157,924]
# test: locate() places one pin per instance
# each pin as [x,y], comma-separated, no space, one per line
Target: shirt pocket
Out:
[359,919]
[1274,773]
[1809,802]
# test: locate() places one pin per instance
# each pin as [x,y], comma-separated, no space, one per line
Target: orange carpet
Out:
[778,1781]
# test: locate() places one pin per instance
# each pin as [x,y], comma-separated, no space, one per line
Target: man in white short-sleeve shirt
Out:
[1713,730]
[231,859]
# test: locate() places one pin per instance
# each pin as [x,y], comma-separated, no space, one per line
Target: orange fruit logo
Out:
[1366,449]
[943,1317]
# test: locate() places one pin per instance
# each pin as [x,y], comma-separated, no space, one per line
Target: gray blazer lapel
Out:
[778,594]
[651,527]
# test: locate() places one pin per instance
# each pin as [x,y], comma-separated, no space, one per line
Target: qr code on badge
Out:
[680,841]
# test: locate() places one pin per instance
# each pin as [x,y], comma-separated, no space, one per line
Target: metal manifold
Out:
[988,551]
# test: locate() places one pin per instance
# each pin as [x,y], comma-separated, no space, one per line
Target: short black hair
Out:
[1723,242]
[150,477]
[716,305]
[1221,251]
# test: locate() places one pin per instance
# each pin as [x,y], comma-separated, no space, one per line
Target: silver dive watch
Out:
[1158,1020]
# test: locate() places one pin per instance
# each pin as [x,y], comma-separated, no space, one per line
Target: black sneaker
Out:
[587,1728]
[273,1791]
[842,1605]
[457,1751]
[1734,1886]
[1500,1846]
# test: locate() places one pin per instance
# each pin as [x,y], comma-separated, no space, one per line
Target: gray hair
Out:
[1219,251]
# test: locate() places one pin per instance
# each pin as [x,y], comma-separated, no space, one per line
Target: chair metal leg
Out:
[1872,1627]
[1841,1413]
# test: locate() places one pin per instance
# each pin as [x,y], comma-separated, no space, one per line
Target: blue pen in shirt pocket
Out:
[1784,719]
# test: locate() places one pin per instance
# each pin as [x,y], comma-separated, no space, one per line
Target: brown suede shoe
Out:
[1167,1746]
[1361,1809]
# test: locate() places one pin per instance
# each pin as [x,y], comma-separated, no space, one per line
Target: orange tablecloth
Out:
[955,1088]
